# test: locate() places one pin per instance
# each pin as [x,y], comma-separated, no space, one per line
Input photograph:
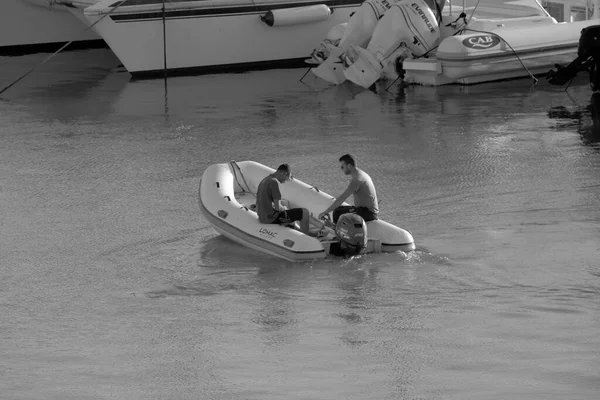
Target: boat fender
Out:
[297,15]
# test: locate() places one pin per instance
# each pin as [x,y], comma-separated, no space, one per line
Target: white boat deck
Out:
[529,41]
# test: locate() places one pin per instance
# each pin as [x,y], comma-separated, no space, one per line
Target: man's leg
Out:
[365,214]
[296,214]
[305,221]
[341,210]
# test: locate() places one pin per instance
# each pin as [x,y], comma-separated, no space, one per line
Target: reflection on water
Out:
[115,286]
[585,119]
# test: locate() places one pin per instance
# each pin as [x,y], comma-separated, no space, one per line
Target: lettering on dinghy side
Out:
[264,232]
[481,41]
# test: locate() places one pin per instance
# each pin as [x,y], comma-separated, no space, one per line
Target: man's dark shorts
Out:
[289,216]
[364,212]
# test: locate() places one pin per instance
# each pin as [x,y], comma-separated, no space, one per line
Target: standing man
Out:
[268,201]
[361,187]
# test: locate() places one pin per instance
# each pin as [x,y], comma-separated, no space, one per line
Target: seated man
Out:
[361,187]
[268,201]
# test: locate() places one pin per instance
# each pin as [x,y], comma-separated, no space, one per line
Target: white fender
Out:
[411,23]
[297,15]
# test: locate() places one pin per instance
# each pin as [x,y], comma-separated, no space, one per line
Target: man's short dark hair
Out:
[348,159]
[285,168]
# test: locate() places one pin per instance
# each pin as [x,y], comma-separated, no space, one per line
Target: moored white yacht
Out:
[35,25]
[149,36]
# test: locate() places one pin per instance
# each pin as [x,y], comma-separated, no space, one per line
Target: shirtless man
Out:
[361,187]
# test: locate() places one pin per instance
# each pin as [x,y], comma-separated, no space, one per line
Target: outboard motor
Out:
[357,31]
[588,59]
[351,229]
[410,24]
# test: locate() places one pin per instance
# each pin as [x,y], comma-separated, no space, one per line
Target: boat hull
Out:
[503,53]
[28,26]
[225,196]
[210,35]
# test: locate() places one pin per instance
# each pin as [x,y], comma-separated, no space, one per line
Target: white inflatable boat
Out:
[492,49]
[227,197]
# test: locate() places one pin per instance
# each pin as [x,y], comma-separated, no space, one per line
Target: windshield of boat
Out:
[560,10]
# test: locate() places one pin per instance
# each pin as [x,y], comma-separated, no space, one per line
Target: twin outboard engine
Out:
[357,31]
[588,59]
[351,230]
[408,28]
[380,34]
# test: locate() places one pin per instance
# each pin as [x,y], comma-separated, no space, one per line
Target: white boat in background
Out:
[437,42]
[212,35]
[28,26]
[227,199]
[503,40]
[569,10]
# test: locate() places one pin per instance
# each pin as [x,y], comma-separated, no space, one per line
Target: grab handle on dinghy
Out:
[235,167]
[316,189]
[227,197]
[222,214]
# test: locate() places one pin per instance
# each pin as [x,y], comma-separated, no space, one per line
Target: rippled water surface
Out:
[113,285]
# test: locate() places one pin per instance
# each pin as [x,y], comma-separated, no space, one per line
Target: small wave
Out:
[150,243]
[424,256]
[181,290]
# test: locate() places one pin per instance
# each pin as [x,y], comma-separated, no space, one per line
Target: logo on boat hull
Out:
[481,41]
[267,234]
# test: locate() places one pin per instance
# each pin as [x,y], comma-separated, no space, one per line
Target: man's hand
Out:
[323,215]
[280,206]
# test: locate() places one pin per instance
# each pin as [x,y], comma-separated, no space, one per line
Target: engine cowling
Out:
[351,230]
[589,42]
[411,24]
[588,59]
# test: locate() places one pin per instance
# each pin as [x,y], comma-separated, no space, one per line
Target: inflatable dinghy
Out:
[227,198]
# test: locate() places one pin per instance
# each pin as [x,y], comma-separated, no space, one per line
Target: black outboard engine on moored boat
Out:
[588,59]
[351,230]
